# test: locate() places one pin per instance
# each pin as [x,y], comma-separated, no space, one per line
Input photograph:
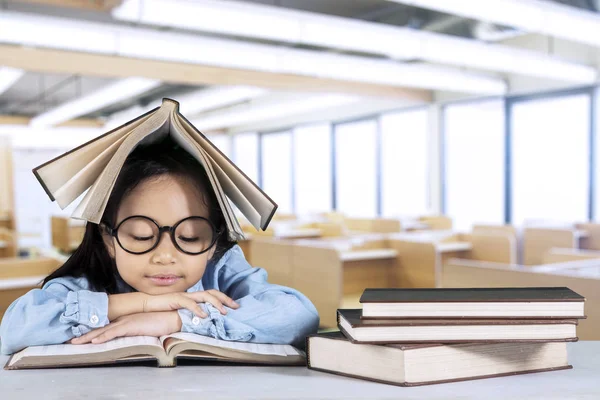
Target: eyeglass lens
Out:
[138,235]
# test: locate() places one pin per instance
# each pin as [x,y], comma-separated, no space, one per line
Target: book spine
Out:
[308,351]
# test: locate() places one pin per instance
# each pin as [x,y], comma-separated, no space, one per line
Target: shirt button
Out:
[195,320]
[94,319]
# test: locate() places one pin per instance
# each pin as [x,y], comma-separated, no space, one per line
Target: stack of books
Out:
[423,336]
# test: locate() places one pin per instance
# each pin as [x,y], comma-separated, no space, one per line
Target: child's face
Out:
[167,200]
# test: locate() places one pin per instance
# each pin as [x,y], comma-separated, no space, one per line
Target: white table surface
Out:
[23,282]
[366,255]
[297,233]
[447,247]
[237,382]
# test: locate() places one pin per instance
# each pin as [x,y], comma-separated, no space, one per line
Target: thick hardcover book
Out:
[96,164]
[411,365]
[527,302]
[165,350]
[462,330]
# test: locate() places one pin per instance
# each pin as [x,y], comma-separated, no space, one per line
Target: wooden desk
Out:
[67,233]
[7,243]
[238,382]
[329,276]
[422,255]
[19,275]
[581,276]
[446,251]
[7,221]
[537,241]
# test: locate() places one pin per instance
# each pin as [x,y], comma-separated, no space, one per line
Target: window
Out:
[355,168]
[276,168]
[312,169]
[404,168]
[474,163]
[550,159]
[245,154]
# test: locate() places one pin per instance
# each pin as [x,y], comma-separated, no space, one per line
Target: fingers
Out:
[207,297]
[222,297]
[192,305]
[228,301]
[88,337]
[111,333]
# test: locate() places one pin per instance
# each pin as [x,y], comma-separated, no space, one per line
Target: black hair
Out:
[91,259]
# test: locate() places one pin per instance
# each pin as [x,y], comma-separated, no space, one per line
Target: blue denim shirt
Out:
[66,307]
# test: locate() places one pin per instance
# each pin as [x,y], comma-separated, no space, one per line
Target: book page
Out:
[94,202]
[57,172]
[63,350]
[258,200]
[85,177]
[254,348]
[230,189]
[181,136]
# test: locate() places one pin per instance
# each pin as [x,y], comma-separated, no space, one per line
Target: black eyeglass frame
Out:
[113,232]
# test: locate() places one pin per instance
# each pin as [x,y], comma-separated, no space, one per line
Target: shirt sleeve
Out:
[268,313]
[59,311]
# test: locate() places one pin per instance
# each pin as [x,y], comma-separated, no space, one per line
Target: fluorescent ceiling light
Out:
[536,16]
[192,103]
[113,93]
[167,46]
[8,77]
[301,27]
[23,136]
[120,117]
[216,97]
[257,113]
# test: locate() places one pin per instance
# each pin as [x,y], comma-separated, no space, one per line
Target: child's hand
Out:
[176,301]
[146,324]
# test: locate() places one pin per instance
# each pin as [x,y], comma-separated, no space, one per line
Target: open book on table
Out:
[95,165]
[166,350]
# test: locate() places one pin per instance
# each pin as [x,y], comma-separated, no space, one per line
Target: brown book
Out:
[165,350]
[411,365]
[527,302]
[463,330]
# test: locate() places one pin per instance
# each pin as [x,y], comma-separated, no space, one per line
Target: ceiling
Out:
[35,93]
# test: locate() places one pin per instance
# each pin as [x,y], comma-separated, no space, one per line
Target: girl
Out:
[159,262]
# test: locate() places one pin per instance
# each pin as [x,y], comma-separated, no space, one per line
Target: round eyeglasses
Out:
[139,234]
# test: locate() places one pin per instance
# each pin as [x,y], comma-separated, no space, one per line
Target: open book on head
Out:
[97,163]
[166,350]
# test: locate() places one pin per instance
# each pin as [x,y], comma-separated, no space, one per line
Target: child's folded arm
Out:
[273,316]
[54,314]
[267,314]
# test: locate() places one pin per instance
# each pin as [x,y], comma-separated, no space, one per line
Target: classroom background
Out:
[407,143]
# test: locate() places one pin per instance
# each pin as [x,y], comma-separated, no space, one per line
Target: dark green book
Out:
[524,302]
